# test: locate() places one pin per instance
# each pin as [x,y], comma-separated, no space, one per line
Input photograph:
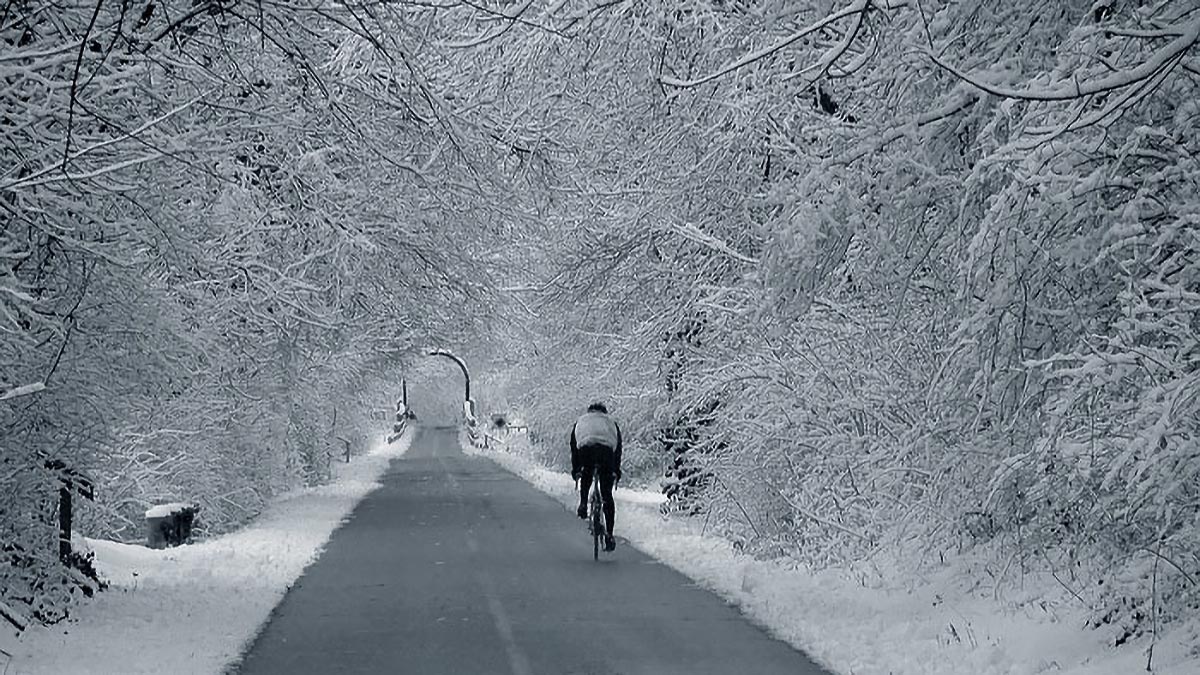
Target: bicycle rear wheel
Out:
[597,522]
[597,530]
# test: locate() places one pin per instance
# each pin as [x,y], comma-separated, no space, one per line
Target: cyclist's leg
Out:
[607,478]
[586,455]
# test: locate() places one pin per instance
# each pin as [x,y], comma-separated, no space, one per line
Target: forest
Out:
[914,277]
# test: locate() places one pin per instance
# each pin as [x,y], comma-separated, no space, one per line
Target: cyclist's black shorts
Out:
[597,455]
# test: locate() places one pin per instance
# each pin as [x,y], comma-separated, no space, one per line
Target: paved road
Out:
[456,566]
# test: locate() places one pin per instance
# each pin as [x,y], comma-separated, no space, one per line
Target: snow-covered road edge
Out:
[193,608]
[934,629]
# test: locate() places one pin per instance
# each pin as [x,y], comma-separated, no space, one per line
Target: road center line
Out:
[517,660]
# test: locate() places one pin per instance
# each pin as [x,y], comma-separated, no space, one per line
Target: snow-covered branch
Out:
[1161,60]
[856,9]
[24,390]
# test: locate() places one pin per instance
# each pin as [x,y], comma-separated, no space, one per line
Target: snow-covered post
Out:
[169,524]
[69,481]
[402,413]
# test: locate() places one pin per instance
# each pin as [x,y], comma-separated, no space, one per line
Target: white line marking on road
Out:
[516,658]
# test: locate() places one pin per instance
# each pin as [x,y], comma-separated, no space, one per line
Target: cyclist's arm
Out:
[617,452]
[574,453]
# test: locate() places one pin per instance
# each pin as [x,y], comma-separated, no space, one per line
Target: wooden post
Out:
[64,522]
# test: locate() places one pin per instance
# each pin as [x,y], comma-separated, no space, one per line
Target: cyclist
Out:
[596,442]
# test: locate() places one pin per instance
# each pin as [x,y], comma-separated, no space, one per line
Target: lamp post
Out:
[468,404]
[461,364]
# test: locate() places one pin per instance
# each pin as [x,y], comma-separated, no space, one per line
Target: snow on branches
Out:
[937,284]
[218,225]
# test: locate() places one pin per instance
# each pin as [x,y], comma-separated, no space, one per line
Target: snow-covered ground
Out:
[190,609]
[935,628]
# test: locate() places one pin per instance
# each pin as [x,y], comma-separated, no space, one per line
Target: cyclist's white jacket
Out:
[596,428]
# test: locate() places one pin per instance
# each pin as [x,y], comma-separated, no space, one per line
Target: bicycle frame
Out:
[595,514]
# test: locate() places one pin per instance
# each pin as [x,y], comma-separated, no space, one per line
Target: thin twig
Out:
[1153,608]
[858,7]
[75,83]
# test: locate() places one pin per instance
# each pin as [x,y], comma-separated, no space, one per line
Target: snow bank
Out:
[191,609]
[936,627]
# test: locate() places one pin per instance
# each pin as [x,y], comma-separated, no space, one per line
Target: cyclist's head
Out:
[598,407]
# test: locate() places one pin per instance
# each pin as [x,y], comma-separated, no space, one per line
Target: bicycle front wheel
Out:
[597,530]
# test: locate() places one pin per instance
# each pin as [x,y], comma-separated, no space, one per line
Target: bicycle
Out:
[596,515]
[595,518]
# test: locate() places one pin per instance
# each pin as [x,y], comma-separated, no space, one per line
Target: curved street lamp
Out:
[461,364]
[468,404]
